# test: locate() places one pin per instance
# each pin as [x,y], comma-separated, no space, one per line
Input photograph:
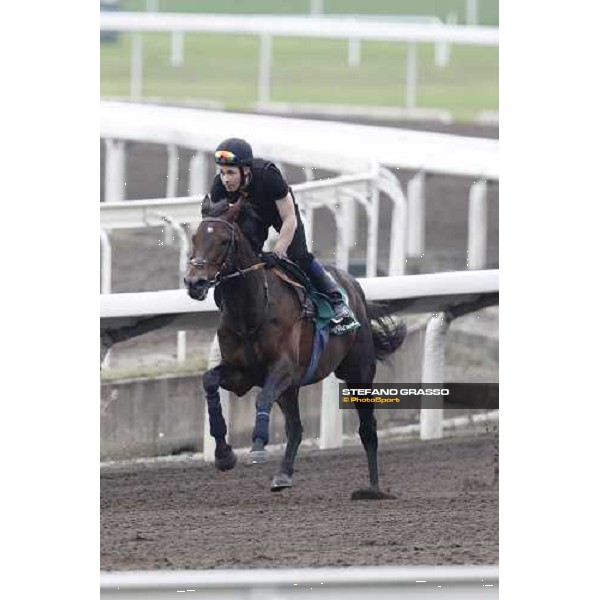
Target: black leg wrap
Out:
[218,428]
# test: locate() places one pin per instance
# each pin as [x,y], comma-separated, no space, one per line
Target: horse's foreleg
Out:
[277,382]
[224,456]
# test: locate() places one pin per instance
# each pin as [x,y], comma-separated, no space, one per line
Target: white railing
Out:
[408,583]
[444,294]
[338,195]
[317,8]
[351,28]
[337,147]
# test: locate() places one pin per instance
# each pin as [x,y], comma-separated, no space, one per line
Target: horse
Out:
[266,340]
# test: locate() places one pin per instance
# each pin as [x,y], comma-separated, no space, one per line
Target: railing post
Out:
[372,231]
[398,234]
[411,76]
[477,245]
[416,215]
[114,171]
[171,191]
[331,415]
[433,372]
[471,12]
[172,170]
[214,358]
[184,250]
[198,183]
[105,280]
[342,246]
[308,225]
[177,48]
[264,70]
[137,66]
[316,7]
[105,284]
[354,52]
[350,219]
[307,210]
[442,49]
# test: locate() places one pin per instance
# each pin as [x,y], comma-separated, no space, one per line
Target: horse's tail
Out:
[388,334]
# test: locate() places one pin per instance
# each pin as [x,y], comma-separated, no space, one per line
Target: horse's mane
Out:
[249,222]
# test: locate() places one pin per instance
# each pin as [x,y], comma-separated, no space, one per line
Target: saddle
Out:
[314,306]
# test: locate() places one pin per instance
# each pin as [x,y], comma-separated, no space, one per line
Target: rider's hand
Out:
[271,259]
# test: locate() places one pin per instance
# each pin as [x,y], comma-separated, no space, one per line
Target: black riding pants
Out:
[298,251]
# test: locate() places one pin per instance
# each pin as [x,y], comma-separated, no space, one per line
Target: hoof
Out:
[258,456]
[372,494]
[226,460]
[280,482]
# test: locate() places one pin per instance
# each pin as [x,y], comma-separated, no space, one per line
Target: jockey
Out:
[262,184]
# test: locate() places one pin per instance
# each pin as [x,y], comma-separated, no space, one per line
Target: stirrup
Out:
[346,326]
[345,311]
[346,323]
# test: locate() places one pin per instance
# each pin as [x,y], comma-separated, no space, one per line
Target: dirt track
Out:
[187,515]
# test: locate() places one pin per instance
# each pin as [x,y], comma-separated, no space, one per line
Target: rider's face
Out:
[230,178]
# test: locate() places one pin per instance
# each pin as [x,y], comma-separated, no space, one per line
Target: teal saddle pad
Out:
[323,314]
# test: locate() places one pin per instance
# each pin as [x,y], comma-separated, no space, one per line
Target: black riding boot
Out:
[343,318]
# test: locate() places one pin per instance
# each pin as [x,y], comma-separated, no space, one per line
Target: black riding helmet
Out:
[234,151]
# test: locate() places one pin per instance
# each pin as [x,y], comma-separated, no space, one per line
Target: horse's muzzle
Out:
[197,288]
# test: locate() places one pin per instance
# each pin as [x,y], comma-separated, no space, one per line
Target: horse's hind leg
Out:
[367,430]
[359,372]
[224,456]
[293,430]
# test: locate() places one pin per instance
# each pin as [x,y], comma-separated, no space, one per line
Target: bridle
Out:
[223,267]
[202,262]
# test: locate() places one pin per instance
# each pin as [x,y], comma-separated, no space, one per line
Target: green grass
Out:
[488,9]
[308,71]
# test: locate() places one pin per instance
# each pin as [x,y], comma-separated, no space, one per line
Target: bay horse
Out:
[265,340]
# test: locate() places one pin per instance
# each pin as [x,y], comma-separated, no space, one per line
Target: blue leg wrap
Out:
[261,426]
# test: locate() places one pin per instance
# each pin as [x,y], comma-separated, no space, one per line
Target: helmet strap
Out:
[244,179]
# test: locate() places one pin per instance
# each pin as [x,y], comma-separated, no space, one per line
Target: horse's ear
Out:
[234,211]
[205,206]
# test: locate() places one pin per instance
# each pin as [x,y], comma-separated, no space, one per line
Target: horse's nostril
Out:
[195,281]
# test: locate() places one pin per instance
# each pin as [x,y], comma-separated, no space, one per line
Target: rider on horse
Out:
[260,182]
